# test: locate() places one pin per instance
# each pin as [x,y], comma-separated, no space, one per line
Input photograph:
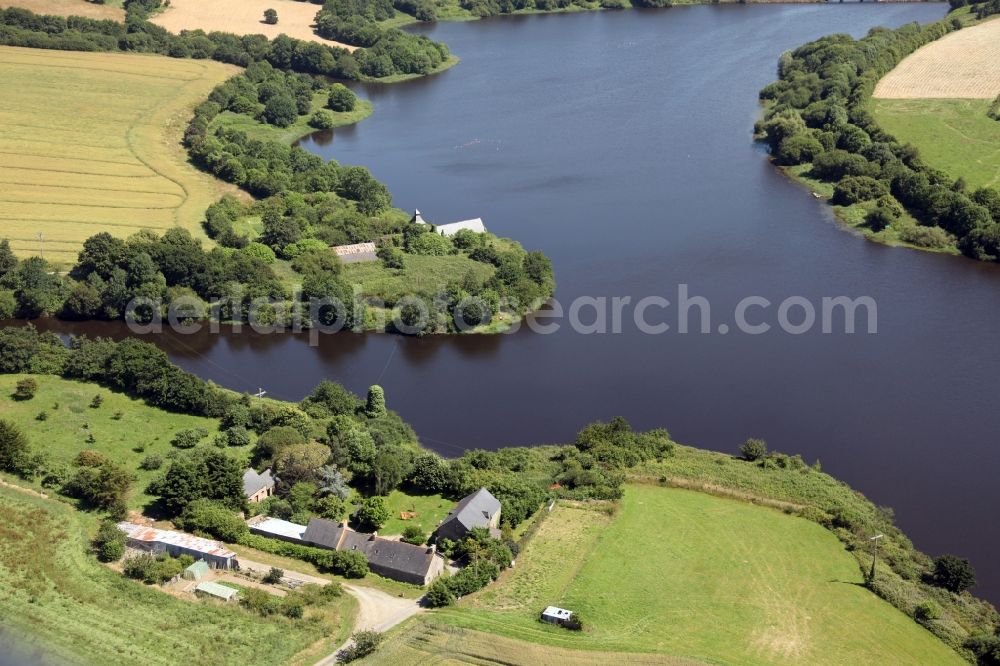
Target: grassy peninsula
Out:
[275,249]
[823,128]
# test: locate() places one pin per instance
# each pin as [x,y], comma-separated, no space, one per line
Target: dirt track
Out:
[961,65]
[243,17]
[377,610]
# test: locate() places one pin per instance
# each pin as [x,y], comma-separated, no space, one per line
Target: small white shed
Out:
[556,615]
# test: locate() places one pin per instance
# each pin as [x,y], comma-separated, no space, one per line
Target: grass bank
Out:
[57,598]
[125,429]
[91,143]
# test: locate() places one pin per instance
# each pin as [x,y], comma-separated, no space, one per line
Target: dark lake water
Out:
[620,144]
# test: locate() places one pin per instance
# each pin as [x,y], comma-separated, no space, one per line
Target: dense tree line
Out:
[386,51]
[485,8]
[393,53]
[817,115]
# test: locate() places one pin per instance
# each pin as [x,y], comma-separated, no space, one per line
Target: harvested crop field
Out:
[244,17]
[91,143]
[961,65]
[68,8]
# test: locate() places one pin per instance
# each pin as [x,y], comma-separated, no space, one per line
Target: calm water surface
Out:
[619,143]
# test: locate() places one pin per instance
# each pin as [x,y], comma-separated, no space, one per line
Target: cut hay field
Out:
[954,135]
[124,429]
[428,642]
[110,10]
[960,65]
[695,576]
[91,143]
[79,612]
[244,17]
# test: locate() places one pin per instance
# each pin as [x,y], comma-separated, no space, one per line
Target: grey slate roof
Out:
[393,559]
[324,533]
[475,510]
[254,482]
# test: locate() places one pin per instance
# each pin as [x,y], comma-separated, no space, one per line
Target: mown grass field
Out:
[696,576]
[91,143]
[79,612]
[954,135]
[141,430]
[430,510]
[427,642]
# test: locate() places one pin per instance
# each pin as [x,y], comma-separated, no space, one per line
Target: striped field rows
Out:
[91,143]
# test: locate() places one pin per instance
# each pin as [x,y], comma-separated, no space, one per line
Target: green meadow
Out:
[954,135]
[700,577]
[123,428]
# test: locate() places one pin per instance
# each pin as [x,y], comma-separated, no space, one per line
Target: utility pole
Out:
[875,538]
[41,245]
[260,392]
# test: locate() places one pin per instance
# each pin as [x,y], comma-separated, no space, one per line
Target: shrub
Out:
[341,98]
[96,401]
[853,189]
[927,610]
[270,17]
[109,544]
[798,148]
[260,602]
[188,438]
[879,218]
[954,574]
[363,644]
[439,594]
[25,389]
[375,402]
[281,110]
[153,570]
[929,237]
[274,576]
[151,462]
[753,449]
[415,535]
[373,513]
[322,120]
[210,517]
[262,252]
[430,244]
[236,436]
[392,257]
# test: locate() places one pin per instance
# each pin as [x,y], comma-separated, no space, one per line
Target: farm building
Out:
[386,557]
[452,228]
[153,540]
[216,591]
[258,487]
[357,252]
[392,559]
[555,615]
[480,509]
[275,528]
[196,571]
